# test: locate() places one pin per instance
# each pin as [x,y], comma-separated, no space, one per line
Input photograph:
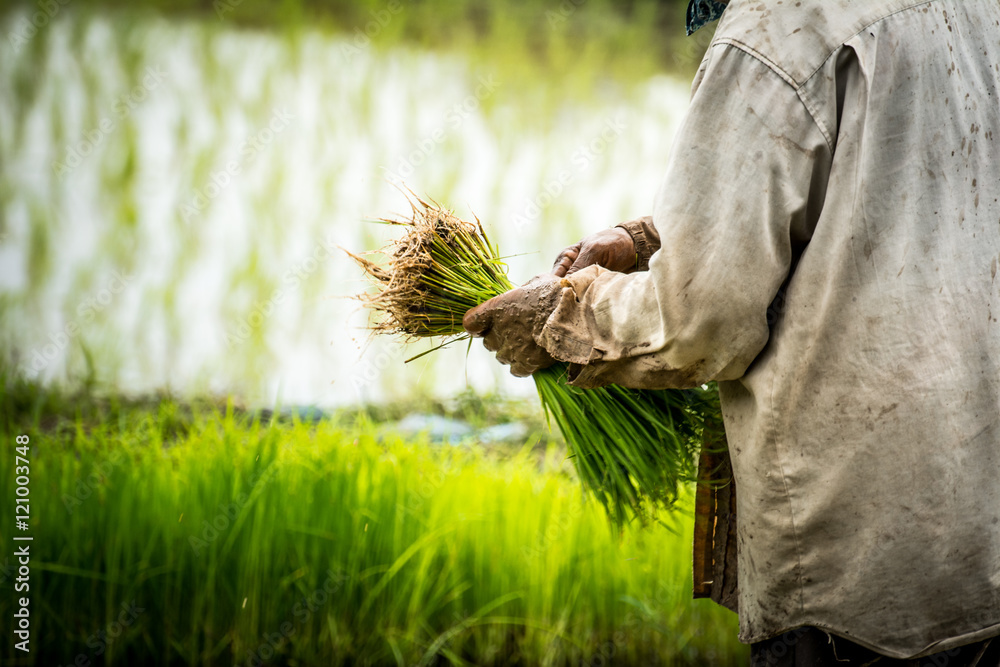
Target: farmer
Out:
[825,245]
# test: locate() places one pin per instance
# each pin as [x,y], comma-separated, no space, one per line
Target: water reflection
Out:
[173,195]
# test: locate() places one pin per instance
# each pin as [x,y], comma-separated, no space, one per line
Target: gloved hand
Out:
[509,323]
[611,248]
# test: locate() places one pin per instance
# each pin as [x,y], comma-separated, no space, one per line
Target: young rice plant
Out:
[633,449]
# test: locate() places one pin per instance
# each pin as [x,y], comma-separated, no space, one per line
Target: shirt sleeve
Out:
[645,238]
[744,185]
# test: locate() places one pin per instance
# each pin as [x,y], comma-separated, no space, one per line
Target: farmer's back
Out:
[829,234]
[867,431]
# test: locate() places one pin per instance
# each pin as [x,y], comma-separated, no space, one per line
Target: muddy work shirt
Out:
[829,229]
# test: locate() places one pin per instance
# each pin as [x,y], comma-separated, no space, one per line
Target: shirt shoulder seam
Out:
[784,76]
[913,4]
[749,50]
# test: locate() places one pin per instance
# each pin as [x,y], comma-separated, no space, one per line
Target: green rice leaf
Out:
[633,449]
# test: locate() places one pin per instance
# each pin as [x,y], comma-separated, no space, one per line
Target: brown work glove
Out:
[611,248]
[509,323]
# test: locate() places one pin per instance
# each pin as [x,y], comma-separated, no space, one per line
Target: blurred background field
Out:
[176,179]
[204,535]
[175,185]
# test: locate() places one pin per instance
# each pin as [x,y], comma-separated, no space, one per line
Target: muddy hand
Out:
[509,323]
[611,248]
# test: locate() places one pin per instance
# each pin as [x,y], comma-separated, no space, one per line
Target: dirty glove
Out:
[509,323]
[612,249]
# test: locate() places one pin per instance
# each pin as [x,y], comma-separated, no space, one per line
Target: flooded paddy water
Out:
[174,193]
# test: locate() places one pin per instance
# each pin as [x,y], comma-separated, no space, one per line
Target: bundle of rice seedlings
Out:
[633,449]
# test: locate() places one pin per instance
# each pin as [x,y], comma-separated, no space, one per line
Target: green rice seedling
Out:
[233,539]
[632,449]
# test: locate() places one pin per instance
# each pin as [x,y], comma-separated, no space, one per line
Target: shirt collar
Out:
[701,12]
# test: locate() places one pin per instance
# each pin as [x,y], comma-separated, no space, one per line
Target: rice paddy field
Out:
[176,181]
[201,534]
[175,187]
